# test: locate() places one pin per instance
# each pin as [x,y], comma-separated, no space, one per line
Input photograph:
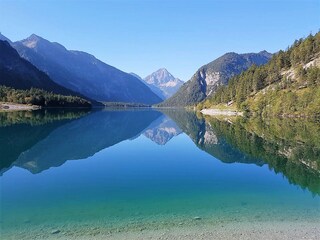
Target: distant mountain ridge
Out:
[164,81]
[153,88]
[214,74]
[83,73]
[4,38]
[18,73]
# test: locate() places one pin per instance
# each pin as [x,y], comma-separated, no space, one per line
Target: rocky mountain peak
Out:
[165,81]
[209,77]
[160,76]
[266,54]
[31,41]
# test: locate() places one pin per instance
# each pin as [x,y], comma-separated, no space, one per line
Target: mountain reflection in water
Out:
[39,140]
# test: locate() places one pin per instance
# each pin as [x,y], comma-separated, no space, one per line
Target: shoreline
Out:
[6,107]
[230,231]
[280,230]
[219,112]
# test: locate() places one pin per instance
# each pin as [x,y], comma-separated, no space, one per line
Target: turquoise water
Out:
[130,170]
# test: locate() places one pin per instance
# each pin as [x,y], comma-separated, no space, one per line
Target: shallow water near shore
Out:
[110,172]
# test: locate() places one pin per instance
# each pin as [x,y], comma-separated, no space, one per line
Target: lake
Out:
[72,174]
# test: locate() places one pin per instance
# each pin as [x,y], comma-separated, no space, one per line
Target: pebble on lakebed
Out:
[55,231]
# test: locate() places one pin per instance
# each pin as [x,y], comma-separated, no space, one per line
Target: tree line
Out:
[285,80]
[40,97]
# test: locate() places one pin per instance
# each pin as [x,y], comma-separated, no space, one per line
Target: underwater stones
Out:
[56,231]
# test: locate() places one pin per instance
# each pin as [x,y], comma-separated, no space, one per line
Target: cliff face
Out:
[209,77]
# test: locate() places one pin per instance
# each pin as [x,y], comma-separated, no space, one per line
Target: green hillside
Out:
[289,85]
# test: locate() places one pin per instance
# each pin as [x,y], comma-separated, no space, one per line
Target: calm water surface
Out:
[146,169]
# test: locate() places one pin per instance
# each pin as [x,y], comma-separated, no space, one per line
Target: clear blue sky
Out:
[144,35]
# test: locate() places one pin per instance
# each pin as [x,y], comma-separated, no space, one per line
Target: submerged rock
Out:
[56,231]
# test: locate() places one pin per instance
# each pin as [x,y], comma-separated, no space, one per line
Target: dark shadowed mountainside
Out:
[84,73]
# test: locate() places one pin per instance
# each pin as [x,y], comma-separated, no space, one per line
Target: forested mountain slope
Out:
[209,77]
[289,85]
[21,82]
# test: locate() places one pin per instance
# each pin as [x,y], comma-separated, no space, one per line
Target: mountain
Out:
[288,85]
[164,81]
[4,38]
[153,88]
[18,73]
[214,74]
[84,73]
